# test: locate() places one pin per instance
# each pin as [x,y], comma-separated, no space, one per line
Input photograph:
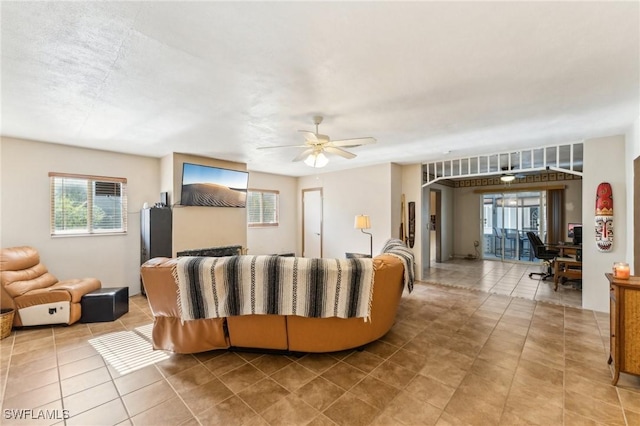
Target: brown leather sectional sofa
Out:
[274,332]
[37,296]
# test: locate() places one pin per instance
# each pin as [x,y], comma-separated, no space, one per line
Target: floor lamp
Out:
[362,222]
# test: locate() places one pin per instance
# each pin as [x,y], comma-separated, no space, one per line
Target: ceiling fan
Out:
[317,145]
[508,175]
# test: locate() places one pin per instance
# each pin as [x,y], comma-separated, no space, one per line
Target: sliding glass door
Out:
[507,217]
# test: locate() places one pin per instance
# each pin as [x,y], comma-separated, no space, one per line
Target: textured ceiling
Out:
[221,79]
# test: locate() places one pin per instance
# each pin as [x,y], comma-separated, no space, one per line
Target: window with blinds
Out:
[86,205]
[262,207]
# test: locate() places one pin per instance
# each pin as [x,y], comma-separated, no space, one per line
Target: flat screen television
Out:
[213,186]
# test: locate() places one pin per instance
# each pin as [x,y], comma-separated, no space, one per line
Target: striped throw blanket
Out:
[397,248]
[215,287]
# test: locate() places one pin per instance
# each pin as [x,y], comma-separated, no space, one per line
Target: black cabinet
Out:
[155,234]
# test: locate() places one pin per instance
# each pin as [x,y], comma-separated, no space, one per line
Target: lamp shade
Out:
[317,160]
[362,222]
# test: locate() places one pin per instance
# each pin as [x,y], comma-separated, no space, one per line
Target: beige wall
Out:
[347,193]
[282,238]
[632,148]
[115,259]
[603,161]
[412,188]
[24,168]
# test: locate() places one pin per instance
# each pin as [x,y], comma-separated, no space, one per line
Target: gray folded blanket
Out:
[397,248]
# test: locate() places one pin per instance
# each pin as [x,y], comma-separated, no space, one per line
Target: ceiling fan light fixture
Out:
[507,178]
[316,160]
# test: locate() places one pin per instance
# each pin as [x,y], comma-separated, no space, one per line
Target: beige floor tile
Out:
[11,418]
[492,372]
[365,361]
[319,363]
[446,370]
[85,381]
[374,392]
[33,398]
[109,413]
[393,374]
[176,363]
[242,377]
[81,366]
[410,360]
[349,410]
[478,401]
[171,412]
[382,349]
[20,381]
[630,399]
[464,345]
[633,417]
[320,393]
[148,397]
[344,375]
[293,376]
[90,398]
[321,420]
[290,410]
[577,383]
[190,378]
[406,410]
[426,389]
[263,394]
[269,364]
[232,411]
[203,397]
[593,408]
[540,376]
[72,355]
[137,379]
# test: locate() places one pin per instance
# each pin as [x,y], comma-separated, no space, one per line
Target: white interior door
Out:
[312,223]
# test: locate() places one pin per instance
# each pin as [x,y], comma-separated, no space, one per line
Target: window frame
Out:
[90,181]
[277,208]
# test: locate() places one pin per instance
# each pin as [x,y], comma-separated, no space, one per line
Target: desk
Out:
[567,249]
[566,267]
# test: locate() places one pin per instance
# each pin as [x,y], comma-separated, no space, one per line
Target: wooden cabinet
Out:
[155,235]
[624,296]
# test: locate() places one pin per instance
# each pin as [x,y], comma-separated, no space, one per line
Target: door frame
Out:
[318,189]
[518,194]
[438,210]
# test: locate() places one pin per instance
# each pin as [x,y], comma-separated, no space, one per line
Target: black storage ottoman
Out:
[104,304]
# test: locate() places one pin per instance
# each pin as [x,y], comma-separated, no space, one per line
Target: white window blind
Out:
[83,205]
[262,207]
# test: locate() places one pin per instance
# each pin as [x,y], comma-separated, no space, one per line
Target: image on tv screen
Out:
[213,186]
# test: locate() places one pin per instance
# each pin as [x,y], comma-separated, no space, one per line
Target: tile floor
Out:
[454,357]
[511,279]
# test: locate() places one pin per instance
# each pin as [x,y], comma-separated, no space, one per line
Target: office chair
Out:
[540,251]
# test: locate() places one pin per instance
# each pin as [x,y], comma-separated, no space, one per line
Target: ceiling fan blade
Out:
[310,136]
[322,138]
[282,146]
[339,151]
[304,154]
[350,143]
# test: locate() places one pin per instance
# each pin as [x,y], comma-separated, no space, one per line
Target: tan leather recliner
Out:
[37,296]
